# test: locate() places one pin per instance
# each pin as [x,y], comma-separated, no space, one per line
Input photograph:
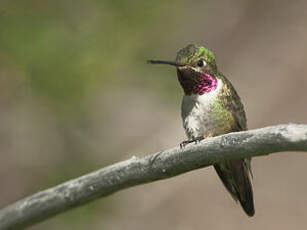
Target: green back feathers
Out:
[193,52]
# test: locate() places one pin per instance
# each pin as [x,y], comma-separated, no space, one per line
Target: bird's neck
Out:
[203,84]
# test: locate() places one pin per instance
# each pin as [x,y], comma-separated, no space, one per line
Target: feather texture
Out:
[215,113]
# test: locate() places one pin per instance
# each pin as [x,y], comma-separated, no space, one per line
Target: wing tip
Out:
[248,208]
[247,203]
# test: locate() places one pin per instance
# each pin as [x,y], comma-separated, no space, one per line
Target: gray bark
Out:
[157,166]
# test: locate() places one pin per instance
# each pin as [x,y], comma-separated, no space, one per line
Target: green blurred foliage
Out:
[67,47]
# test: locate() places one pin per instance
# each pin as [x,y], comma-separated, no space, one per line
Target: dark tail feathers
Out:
[235,176]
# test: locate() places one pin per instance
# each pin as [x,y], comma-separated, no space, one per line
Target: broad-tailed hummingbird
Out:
[211,107]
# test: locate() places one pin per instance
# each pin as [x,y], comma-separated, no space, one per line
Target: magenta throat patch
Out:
[201,84]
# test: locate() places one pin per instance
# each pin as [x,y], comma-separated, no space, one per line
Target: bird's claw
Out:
[195,141]
[184,143]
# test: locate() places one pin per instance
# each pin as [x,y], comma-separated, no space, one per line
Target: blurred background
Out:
[76,95]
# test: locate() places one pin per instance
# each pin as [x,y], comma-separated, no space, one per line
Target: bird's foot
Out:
[194,140]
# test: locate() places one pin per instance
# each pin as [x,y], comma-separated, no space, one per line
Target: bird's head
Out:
[196,69]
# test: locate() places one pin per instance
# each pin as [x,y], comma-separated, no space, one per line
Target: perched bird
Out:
[211,107]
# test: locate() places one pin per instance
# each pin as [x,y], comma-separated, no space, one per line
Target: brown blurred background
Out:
[76,94]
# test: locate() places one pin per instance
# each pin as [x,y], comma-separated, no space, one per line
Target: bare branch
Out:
[161,165]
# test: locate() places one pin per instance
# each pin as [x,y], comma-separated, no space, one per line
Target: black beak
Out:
[165,62]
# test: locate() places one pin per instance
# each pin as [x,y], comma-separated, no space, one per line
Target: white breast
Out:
[195,110]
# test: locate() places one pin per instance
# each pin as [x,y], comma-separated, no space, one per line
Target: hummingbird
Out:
[212,107]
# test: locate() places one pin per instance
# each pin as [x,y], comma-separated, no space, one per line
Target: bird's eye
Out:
[201,63]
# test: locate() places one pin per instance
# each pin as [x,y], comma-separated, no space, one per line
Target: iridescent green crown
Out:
[192,52]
